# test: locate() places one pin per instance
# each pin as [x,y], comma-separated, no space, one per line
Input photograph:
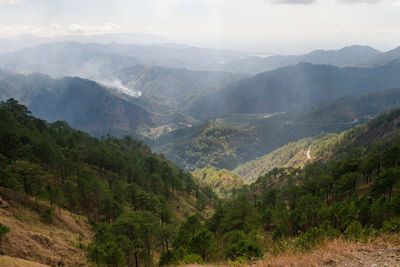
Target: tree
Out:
[203,243]
[186,231]
[385,182]
[238,246]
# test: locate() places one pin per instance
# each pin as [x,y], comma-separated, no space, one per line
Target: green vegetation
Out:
[327,146]
[222,181]
[203,146]
[356,194]
[142,206]
[250,140]
[291,155]
[129,194]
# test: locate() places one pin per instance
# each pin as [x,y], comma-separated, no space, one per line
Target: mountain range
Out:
[293,87]
[345,57]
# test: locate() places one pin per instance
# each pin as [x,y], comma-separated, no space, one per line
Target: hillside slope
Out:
[176,87]
[32,238]
[223,182]
[382,129]
[344,57]
[251,136]
[53,167]
[87,105]
[289,88]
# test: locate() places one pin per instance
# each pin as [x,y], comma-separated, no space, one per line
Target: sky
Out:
[260,26]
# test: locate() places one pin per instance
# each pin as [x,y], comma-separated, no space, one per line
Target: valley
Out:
[161,154]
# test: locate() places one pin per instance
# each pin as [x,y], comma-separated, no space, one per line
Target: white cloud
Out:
[107,27]
[11,2]
[55,29]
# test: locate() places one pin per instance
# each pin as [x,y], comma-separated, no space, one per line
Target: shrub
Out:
[391,226]
[192,258]
[167,258]
[314,236]
[354,231]
[238,246]
[48,215]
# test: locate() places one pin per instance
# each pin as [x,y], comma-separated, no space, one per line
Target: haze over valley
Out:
[200,132]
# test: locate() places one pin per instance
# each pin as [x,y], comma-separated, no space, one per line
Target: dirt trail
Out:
[377,258]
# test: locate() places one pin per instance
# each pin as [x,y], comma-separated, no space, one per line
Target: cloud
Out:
[359,1]
[11,2]
[107,27]
[55,29]
[295,2]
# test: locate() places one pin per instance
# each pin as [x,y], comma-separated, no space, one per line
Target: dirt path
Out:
[382,252]
[377,258]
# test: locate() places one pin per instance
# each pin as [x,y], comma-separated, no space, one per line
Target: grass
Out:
[340,252]
[15,262]
[33,239]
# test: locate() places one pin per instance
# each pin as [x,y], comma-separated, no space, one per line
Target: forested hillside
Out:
[356,141]
[224,182]
[88,105]
[247,139]
[354,197]
[119,184]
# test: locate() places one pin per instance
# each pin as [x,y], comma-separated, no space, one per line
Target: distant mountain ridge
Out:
[344,57]
[67,59]
[23,41]
[82,103]
[256,146]
[176,87]
[94,60]
[300,86]
[383,58]
[384,127]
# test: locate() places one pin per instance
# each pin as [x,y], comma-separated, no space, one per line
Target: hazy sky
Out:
[283,26]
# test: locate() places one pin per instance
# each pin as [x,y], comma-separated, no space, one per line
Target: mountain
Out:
[83,103]
[345,57]
[23,41]
[53,177]
[352,197]
[293,154]
[382,59]
[67,59]
[301,86]
[175,87]
[351,109]
[204,145]
[250,139]
[100,61]
[384,128]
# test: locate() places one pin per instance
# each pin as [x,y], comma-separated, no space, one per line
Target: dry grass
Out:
[385,251]
[34,240]
[15,262]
